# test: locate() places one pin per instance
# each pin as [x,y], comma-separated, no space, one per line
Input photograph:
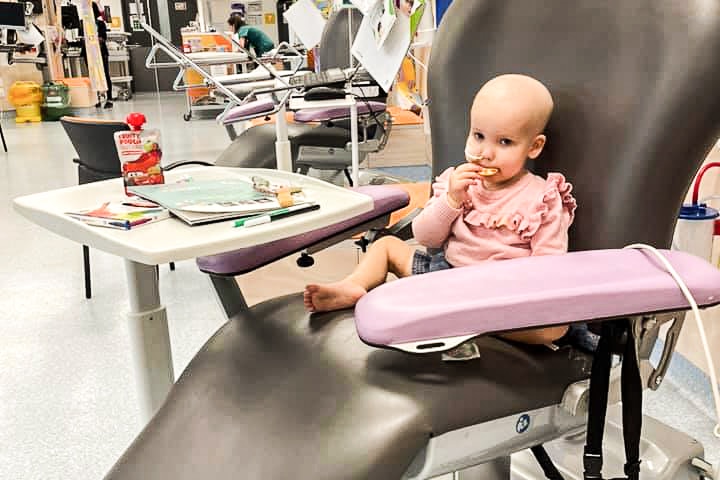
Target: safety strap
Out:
[616,337]
[546,463]
[613,339]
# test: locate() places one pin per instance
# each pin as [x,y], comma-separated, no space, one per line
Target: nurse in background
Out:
[250,36]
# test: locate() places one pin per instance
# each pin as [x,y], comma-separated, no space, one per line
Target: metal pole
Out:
[354,142]
[149,337]
[283,153]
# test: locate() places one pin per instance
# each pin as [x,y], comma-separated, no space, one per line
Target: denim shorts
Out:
[578,335]
[424,262]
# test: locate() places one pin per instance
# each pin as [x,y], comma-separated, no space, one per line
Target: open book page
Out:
[203,194]
[205,201]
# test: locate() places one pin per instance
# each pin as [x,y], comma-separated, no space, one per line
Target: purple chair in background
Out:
[318,139]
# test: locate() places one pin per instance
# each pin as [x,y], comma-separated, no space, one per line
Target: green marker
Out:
[276,215]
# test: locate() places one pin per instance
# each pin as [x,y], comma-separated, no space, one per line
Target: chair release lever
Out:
[671,339]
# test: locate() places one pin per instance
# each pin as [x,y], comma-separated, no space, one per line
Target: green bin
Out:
[56,101]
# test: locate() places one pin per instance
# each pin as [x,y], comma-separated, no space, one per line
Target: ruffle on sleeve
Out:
[556,197]
[526,220]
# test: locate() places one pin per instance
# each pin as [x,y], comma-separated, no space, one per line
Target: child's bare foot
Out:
[332,296]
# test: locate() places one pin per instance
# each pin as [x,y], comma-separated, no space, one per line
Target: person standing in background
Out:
[250,36]
[104,53]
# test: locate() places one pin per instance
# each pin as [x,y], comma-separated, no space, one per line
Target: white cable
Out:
[698,319]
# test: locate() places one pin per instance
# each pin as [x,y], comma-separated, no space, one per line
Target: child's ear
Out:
[536,146]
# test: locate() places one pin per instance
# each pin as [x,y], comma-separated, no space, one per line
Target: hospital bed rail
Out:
[184,63]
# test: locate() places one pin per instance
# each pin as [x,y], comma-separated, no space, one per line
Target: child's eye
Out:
[478,136]
[505,141]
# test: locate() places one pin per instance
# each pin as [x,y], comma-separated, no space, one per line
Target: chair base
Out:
[666,453]
[498,469]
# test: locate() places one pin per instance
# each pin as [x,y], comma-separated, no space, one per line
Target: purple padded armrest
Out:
[250,109]
[386,199]
[335,113]
[437,311]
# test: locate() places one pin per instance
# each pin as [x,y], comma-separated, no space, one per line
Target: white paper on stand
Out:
[364,5]
[384,25]
[427,27]
[306,21]
[384,61]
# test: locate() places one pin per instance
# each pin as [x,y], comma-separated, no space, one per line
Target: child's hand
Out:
[462,177]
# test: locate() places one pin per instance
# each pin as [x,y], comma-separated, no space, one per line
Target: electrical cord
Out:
[701,328]
[354,72]
[364,98]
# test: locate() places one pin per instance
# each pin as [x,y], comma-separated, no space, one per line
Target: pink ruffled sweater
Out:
[530,217]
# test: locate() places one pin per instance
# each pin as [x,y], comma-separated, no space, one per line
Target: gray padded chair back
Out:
[633,83]
[94,143]
[335,43]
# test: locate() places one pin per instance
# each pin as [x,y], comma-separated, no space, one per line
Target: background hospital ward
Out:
[359,239]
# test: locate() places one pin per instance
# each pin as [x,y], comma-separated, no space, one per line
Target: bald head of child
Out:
[520,96]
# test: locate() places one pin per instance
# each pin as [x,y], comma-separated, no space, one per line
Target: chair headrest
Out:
[334,45]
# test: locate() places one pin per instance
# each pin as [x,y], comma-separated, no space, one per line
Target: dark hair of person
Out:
[236,21]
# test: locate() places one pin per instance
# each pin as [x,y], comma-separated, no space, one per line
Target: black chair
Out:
[94,142]
[278,394]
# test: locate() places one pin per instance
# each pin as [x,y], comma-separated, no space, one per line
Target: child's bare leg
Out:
[537,336]
[389,254]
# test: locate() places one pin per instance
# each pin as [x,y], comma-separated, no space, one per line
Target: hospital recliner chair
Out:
[277,393]
[318,139]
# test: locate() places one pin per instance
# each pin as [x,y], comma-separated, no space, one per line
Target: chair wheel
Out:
[305,260]
[187,117]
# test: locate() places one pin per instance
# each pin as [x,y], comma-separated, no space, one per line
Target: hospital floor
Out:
[68,407]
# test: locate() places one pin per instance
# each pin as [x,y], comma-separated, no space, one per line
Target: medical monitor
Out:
[12,15]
